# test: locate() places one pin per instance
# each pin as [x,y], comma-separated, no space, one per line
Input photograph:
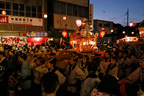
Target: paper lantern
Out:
[64,33]
[102,33]
[131,24]
[78,22]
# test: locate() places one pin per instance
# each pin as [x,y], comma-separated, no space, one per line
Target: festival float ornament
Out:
[78,22]
[102,33]
[64,33]
[83,32]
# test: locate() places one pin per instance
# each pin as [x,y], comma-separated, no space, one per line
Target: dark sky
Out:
[115,10]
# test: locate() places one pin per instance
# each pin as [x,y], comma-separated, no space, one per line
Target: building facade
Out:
[62,14]
[109,28]
[21,16]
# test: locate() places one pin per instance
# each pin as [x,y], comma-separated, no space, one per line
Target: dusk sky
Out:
[115,10]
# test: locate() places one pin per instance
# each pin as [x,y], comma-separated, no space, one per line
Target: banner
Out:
[36,34]
[13,39]
[21,20]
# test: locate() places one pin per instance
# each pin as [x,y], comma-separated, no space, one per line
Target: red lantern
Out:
[102,33]
[64,33]
[131,24]
[3,12]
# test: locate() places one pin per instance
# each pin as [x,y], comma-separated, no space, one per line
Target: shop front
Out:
[36,38]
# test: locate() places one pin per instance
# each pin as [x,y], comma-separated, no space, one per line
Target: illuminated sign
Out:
[12,39]
[36,34]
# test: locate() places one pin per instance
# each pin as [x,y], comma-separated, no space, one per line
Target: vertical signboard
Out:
[91,16]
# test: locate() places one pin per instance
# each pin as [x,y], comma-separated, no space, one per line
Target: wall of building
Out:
[77,2]
[20,30]
[59,23]
[108,26]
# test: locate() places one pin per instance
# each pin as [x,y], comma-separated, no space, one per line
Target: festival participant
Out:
[13,58]
[134,60]
[3,74]
[107,87]
[141,52]
[124,66]
[25,75]
[74,73]
[138,75]
[50,84]
[91,80]
[106,60]
[112,68]
[84,64]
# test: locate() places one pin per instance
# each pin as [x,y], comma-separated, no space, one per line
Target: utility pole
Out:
[127,19]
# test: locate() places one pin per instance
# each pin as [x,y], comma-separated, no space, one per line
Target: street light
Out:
[64,18]
[45,16]
[123,32]
[3,12]
[132,33]
[112,30]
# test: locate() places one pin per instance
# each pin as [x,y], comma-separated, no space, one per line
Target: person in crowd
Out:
[50,84]
[25,76]
[134,60]
[84,64]
[106,60]
[115,47]
[124,65]
[74,73]
[138,75]
[13,58]
[107,87]
[112,68]
[91,80]
[114,54]
[13,83]
[37,75]
[141,52]
[4,69]
[141,91]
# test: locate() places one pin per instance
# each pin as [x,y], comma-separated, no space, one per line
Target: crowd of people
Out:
[37,71]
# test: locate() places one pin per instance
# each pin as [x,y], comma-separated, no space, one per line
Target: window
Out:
[21,7]
[33,14]
[100,25]
[8,5]
[28,8]
[62,8]
[108,25]
[39,9]
[15,6]
[39,15]
[56,7]
[69,9]
[28,14]
[80,11]
[34,9]
[21,14]
[74,10]
[8,12]
[15,13]
[85,10]
[105,25]
[2,5]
